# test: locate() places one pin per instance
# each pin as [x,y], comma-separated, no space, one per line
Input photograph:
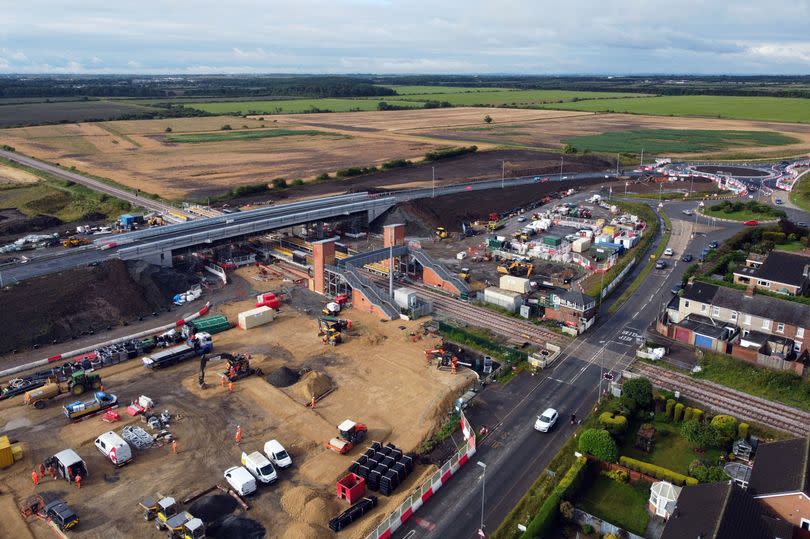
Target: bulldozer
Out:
[74,242]
[77,384]
[349,435]
[464,274]
[331,329]
[441,233]
[516,268]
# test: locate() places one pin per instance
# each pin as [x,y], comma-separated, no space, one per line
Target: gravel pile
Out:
[283,377]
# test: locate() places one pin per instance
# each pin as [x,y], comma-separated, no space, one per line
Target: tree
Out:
[487,119]
[726,427]
[700,435]
[600,444]
[226,127]
[567,510]
[640,390]
[168,129]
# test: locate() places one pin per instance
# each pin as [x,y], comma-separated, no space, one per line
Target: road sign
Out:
[608,376]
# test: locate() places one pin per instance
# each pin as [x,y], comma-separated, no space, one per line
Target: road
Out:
[515,454]
[95,185]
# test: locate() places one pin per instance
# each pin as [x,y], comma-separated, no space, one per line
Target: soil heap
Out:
[211,508]
[312,384]
[283,377]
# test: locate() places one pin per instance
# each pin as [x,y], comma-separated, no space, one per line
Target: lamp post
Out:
[434,181]
[625,188]
[562,160]
[483,495]
[503,171]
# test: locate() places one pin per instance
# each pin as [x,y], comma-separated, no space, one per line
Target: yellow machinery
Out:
[442,233]
[516,268]
[74,242]
[464,274]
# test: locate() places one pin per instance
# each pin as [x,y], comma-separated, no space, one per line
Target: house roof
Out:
[781,267]
[576,297]
[781,467]
[716,511]
[702,325]
[780,310]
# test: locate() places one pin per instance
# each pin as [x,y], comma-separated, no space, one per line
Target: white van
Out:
[241,480]
[114,448]
[277,454]
[260,466]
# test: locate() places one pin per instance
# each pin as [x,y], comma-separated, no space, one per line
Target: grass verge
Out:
[665,141]
[743,211]
[800,196]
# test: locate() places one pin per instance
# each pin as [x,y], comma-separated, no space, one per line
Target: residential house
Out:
[779,271]
[721,511]
[777,326]
[572,308]
[780,480]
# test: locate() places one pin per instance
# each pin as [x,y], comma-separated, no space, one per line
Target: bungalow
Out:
[779,271]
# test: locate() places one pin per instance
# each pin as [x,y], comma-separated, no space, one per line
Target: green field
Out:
[516,98]
[294,106]
[801,192]
[657,141]
[744,211]
[410,90]
[226,135]
[779,109]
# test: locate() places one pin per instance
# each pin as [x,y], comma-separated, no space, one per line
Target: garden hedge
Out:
[658,472]
[547,515]
[678,412]
[725,425]
[742,430]
[697,414]
[670,406]
[572,479]
[687,414]
[599,443]
[613,423]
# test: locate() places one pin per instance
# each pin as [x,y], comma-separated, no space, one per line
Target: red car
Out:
[752,222]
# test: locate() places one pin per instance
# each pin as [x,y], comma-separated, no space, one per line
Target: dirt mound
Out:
[373,338]
[294,501]
[72,303]
[312,384]
[232,527]
[211,508]
[299,530]
[283,377]
[26,225]
[315,511]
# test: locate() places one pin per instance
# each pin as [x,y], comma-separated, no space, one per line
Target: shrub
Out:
[488,119]
[687,414]
[706,473]
[614,424]
[354,171]
[570,482]
[545,518]
[742,431]
[620,476]
[600,444]
[725,425]
[226,127]
[245,190]
[298,182]
[697,414]
[618,407]
[436,155]
[587,529]
[639,390]
[395,163]
[279,183]
[669,408]
[700,435]
[658,472]
[566,510]
[168,129]
[678,412]
[322,176]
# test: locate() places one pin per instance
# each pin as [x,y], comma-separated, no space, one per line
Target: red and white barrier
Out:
[425,491]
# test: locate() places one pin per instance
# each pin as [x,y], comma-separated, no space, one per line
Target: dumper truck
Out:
[196,345]
[77,384]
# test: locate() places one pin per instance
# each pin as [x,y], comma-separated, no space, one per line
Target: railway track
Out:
[724,400]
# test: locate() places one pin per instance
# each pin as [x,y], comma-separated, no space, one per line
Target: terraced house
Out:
[778,271]
[752,327]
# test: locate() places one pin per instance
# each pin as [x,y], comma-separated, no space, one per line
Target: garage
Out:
[683,335]
[702,341]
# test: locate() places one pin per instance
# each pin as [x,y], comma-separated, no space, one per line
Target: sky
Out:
[409,36]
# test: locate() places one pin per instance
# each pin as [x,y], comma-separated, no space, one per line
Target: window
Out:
[702,307]
[763,283]
[780,327]
[733,316]
[686,303]
[766,324]
[805,524]
[654,499]
[748,319]
[799,333]
[797,346]
[715,311]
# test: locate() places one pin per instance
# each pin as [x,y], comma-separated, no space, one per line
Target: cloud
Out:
[777,52]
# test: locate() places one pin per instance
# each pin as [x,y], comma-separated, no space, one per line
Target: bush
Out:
[168,129]
[245,190]
[298,182]
[657,471]
[620,476]
[545,518]
[436,155]
[322,176]
[669,408]
[354,171]
[618,406]
[395,163]
[700,435]
[687,414]
[599,443]
[639,390]
[587,529]
[226,127]
[697,414]
[279,183]
[678,412]
[726,426]
[742,431]
[614,424]
[571,481]
[566,510]
[705,473]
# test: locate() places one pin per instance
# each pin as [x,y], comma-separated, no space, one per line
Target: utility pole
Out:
[503,171]
[625,188]
[642,157]
[562,159]
[617,164]
[483,495]
[434,181]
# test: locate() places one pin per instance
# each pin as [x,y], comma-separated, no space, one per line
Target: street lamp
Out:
[434,181]
[625,187]
[503,171]
[483,495]
[562,159]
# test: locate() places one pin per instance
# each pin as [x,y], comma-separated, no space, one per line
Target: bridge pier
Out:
[376,211]
[163,258]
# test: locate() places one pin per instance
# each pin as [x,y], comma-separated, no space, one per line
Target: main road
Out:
[514,453]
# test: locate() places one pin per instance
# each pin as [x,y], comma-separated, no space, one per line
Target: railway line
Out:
[724,400]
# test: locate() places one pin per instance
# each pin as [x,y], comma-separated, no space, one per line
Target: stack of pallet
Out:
[383,467]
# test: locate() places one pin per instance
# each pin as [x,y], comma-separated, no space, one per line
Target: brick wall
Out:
[432,278]
[361,302]
[323,253]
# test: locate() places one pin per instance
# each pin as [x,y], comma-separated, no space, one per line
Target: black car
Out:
[713,245]
[802,224]
[677,288]
[687,257]
[660,264]
[62,515]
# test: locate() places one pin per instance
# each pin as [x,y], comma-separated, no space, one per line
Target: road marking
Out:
[424,523]
[410,534]
[557,380]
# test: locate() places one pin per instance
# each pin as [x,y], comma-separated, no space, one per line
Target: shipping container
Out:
[211,324]
[552,240]
[520,285]
[405,298]
[256,317]
[511,301]
[581,245]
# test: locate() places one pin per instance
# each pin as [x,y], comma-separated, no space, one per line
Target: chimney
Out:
[749,292]
[806,271]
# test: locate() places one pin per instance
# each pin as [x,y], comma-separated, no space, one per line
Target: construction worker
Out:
[312,403]
[230,387]
[238,436]
[222,381]
[52,471]
[35,478]
[232,373]
[78,480]
[42,470]
[174,447]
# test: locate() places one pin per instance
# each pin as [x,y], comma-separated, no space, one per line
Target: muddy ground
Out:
[378,377]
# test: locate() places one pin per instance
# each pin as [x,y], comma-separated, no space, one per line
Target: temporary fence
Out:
[425,491]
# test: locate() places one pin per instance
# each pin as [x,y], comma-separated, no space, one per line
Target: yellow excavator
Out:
[516,268]
[74,242]
[441,233]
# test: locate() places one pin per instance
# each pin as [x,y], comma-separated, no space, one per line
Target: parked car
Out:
[521,219]
[677,288]
[687,212]
[62,515]
[660,264]
[713,245]
[277,454]
[687,257]
[546,420]
[114,448]
[668,251]
[802,224]
[779,201]
[241,480]
[260,466]
[752,222]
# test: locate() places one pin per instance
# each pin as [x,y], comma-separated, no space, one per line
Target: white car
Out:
[521,220]
[668,251]
[546,420]
[277,454]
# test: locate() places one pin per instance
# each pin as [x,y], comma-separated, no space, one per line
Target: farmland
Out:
[514,98]
[228,135]
[777,109]
[13,114]
[677,140]
[410,90]
[297,106]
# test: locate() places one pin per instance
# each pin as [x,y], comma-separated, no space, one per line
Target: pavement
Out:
[514,453]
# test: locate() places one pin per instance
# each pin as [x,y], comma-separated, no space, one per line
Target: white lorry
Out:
[260,467]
